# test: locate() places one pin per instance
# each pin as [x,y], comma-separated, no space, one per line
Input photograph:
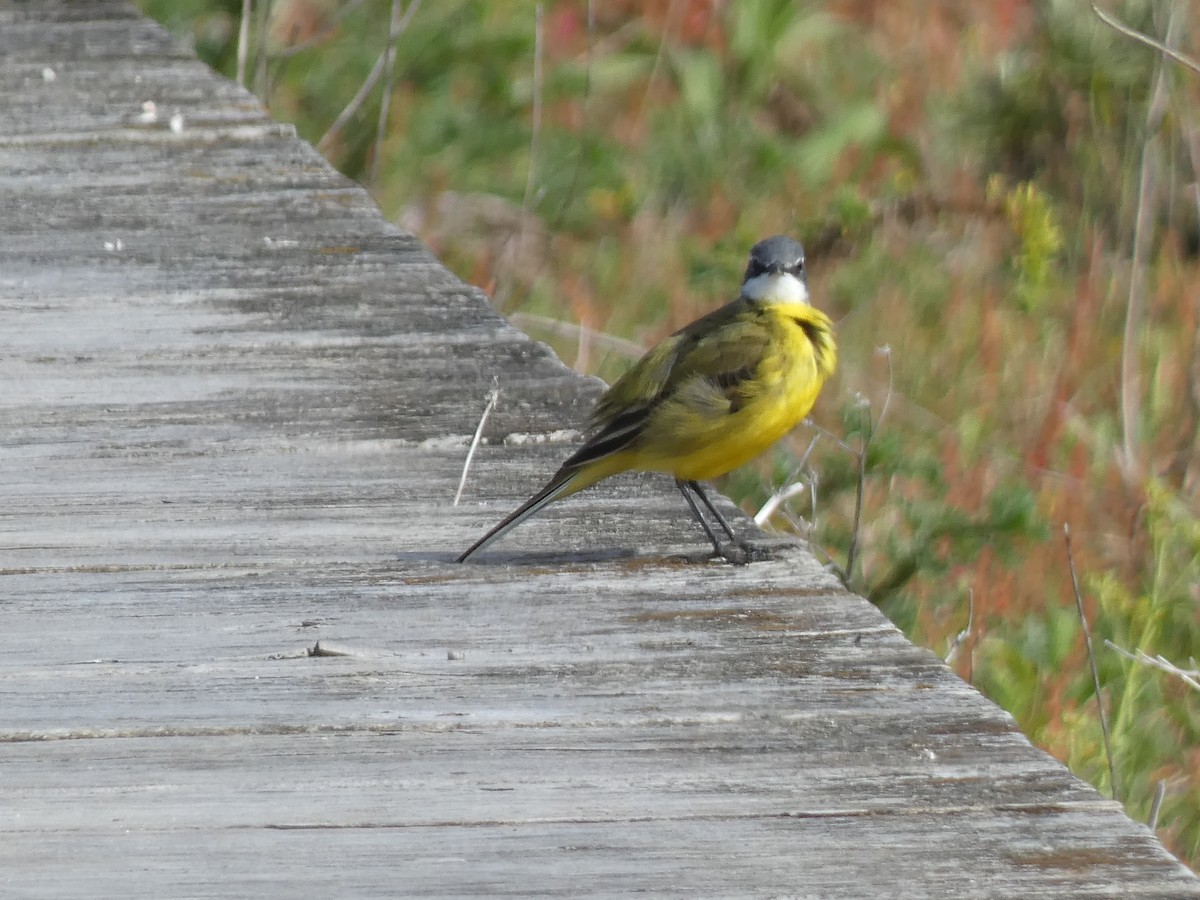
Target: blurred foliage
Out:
[1036,227]
[1154,718]
[966,179]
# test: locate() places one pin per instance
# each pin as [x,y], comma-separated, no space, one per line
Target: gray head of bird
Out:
[775,272]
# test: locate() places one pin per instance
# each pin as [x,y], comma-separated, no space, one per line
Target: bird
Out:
[709,397]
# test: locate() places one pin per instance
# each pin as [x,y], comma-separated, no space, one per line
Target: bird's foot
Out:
[737,553]
[734,554]
[741,553]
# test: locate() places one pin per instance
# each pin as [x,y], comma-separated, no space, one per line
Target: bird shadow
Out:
[743,553]
[524,558]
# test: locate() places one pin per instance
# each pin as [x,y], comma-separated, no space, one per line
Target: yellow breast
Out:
[693,442]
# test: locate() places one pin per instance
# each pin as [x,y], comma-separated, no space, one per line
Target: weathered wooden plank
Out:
[894,857]
[234,410]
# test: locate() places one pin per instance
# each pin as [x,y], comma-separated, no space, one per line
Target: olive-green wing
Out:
[722,355]
[711,359]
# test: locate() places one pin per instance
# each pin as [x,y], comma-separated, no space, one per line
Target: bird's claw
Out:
[741,553]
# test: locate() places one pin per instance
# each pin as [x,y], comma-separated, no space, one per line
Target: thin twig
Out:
[614,42]
[673,9]
[962,637]
[561,328]
[1192,143]
[885,350]
[1190,677]
[814,482]
[790,487]
[862,454]
[1160,791]
[777,499]
[1193,148]
[372,79]
[1091,655]
[1141,245]
[243,47]
[260,87]
[1162,48]
[825,557]
[535,131]
[321,37]
[493,398]
[503,291]
[536,123]
[863,451]
[533,197]
[829,435]
[385,100]
[585,127]
[828,562]
[860,489]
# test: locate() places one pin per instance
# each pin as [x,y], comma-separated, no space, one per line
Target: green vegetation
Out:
[969,180]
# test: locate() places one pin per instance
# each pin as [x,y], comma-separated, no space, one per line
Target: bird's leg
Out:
[732,552]
[703,495]
[699,517]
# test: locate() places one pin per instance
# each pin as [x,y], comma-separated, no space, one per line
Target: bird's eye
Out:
[797,268]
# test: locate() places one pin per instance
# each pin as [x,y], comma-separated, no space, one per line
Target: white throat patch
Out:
[777,287]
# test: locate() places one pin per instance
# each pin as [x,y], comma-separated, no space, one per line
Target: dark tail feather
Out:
[557,486]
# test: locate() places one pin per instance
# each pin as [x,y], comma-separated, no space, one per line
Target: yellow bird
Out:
[710,397]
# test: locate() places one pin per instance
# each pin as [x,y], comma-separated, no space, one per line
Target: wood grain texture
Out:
[235,407]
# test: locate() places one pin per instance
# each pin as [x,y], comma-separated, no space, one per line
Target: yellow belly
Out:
[694,446]
[706,426]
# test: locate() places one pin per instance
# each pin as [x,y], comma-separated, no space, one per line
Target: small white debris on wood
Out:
[562,436]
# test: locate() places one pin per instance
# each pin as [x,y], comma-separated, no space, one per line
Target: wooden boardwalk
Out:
[235,406]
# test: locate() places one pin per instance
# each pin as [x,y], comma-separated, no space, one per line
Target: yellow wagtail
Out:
[710,397]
